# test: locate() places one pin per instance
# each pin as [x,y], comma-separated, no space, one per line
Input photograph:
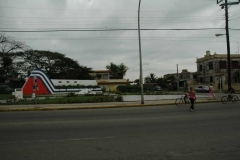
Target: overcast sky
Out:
[162,50]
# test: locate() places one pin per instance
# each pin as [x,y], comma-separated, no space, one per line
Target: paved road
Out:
[157,132]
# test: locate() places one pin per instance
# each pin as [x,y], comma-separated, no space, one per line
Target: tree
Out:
[55,64]
[122,69]
[8,47]
[151,78]
[113,68]
[117,71]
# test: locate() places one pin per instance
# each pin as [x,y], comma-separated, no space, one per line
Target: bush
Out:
[71,94]
[119,98]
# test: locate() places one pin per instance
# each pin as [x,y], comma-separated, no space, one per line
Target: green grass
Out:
[4,96]
[64,100]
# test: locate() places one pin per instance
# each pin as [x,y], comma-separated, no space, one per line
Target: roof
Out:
[100,71]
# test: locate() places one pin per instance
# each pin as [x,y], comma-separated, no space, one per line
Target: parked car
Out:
[157,88]
[202,89]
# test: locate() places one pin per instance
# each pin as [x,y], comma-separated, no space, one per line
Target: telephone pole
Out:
[140,55]
[225,5]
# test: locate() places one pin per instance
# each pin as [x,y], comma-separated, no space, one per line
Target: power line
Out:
[93,30]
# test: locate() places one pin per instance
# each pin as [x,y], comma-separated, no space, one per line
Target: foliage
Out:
[5,89]
[129,88]
[119,98]
[56,65]
[64,100]
[167,83]
[117,71]
[71,94]
[151,78]
[134,88]
[8,47]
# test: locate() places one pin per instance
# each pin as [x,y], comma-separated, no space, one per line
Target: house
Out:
[213,67]
[105,81]
[184,77]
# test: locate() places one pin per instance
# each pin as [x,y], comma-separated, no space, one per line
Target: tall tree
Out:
[55,64]
[117,71]
[151,78]
[122,69]
[113,68]
[8,47]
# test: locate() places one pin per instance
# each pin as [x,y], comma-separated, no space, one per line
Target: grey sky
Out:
[162,50]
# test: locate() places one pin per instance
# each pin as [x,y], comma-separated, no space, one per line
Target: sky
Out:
[177,32]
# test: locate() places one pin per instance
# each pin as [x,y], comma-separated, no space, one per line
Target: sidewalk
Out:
[42,107]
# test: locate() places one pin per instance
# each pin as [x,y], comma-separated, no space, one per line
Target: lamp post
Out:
[140,55]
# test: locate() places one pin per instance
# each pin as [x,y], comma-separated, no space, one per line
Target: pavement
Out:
[102,105]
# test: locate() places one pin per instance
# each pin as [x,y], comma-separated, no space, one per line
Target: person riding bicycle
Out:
[186,93]
[230,90]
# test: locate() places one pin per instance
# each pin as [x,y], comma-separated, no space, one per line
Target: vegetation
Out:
[70,98]
[17,61]
[117,71]
[167,83]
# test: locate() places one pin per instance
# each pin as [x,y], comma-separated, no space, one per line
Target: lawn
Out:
[64,100]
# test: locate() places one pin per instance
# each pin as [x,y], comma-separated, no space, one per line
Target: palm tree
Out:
[122,69]
[118,71]
[151,78]
[113,68]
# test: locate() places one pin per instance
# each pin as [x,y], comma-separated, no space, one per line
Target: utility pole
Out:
[177,79]
[140,55]
[225,5]
[238,47]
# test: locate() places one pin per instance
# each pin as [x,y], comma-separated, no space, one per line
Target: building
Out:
[40,81]
[104,80]
[213,67]
[184,77]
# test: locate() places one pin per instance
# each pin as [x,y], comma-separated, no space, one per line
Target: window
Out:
[210,65]
[211,78]
[200,67]
[222,65]
[67,81]
[75,81]
[234,64]
[59,81]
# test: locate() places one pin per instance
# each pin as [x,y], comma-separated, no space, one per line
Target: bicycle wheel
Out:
[224,99]
[234,99]
[179,102]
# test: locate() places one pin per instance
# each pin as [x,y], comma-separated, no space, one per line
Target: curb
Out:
[95,107]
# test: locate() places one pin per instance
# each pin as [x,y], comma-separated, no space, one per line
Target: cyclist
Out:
[186,91]
[192,98]
[230,90]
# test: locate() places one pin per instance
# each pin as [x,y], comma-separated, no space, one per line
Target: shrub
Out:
[119,98]
[71,94]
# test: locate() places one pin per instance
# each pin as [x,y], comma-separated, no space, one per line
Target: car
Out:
[157,88]
[202,89]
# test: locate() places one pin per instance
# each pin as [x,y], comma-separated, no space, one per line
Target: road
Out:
[161,132]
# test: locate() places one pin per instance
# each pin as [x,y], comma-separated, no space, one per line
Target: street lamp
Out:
[217,35]
[140,54]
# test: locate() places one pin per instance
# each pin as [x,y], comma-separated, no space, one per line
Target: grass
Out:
[4,96]
[64,100]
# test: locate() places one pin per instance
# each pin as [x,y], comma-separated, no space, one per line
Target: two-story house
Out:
[105,81]
[213,67]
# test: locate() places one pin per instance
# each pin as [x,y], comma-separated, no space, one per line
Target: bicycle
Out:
[180,101]
[229,98]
